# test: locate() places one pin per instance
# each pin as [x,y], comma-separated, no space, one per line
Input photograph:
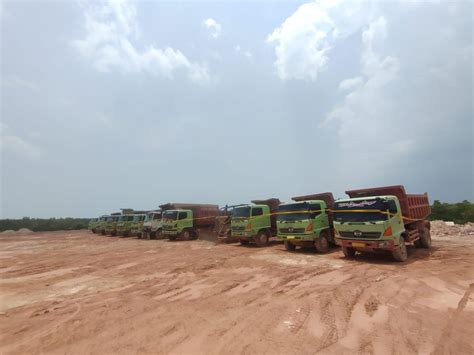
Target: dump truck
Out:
[255,222]
[100,228]
[124,225]
[137,224]
[93,223]
[382,219]
[111,224]
[307,222]
[152,225]
[184,220]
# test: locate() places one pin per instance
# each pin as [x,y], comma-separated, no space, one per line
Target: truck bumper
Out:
[367,245]
[297,238]
[242,235]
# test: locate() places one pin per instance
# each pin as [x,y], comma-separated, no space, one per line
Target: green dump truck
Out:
[255,222]
[111,224]
[124,225]
[184,220]
[93,223]
[137,224]
[152,225]
[100,228]
[382,219]
[307,222]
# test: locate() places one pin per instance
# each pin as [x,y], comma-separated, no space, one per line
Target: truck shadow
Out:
[385,258]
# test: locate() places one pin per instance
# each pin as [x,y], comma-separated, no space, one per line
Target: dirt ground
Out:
[76,292]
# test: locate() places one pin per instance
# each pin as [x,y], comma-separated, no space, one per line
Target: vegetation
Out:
[43,225]
[460,213]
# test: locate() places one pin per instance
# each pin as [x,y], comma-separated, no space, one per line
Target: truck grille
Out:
[291,230]
[363,235]
[238,228]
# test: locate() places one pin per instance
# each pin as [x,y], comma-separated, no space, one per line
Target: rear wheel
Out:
[261,239]
[289,246]
[400,253]
[348,252]
[425,238]
[186,234]
[322,243]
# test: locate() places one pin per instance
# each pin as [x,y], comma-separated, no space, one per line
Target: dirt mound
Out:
[447,229]
[21,231]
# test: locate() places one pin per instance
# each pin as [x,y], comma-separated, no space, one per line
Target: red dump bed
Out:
[324,196]
[204,215]
[413,206]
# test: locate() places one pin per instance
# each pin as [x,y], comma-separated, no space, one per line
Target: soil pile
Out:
[447,229]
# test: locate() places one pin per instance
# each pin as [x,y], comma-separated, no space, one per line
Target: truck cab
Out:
[111,225]
[306,224]
[375,223]
[93,223]
[102,224]
[137,224]
[252,223]
[152,225]
[124,224]
[178,223]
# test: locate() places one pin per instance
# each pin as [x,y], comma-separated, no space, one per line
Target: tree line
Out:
[460,213]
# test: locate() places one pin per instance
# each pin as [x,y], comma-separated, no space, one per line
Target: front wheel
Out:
[400,253]
[186,234]
[348,252]
[261,239]
[322,243]
[289,246]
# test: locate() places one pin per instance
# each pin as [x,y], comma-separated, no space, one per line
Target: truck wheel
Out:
[400,253]
[322,243]
[261,239]
[244,242]
[158,234]
[186,234]
[425,238]
[348,252]
[289,246]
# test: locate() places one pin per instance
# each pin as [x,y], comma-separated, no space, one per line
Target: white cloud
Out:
[304,40]
[351,84]
[214,27]
[16,82]
[13,144]
[111,28]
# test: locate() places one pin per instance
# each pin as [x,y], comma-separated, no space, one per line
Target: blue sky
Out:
[112,104]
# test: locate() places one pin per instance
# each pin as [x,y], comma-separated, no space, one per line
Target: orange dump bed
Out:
[413,206]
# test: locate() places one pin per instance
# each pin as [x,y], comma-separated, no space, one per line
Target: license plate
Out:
[290,237]
[358,245]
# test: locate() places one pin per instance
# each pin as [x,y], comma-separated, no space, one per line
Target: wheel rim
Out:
[403,250]
[263,238]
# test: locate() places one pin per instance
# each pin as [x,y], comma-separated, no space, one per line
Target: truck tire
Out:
[322,243]
[289,246]
[400,253]
[348,252]
[159,234]
[425,238]
[244,242]
[261,239]
[186,234]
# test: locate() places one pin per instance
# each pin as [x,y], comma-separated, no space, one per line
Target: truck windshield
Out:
[296,211]
[360,211]
[170,215]
[241,212]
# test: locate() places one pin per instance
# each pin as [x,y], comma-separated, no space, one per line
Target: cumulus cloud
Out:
[351,83]
[111,28]
[214,27]
[303,42]
[11,143]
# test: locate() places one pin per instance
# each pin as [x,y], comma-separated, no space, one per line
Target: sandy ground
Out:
[75,292]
